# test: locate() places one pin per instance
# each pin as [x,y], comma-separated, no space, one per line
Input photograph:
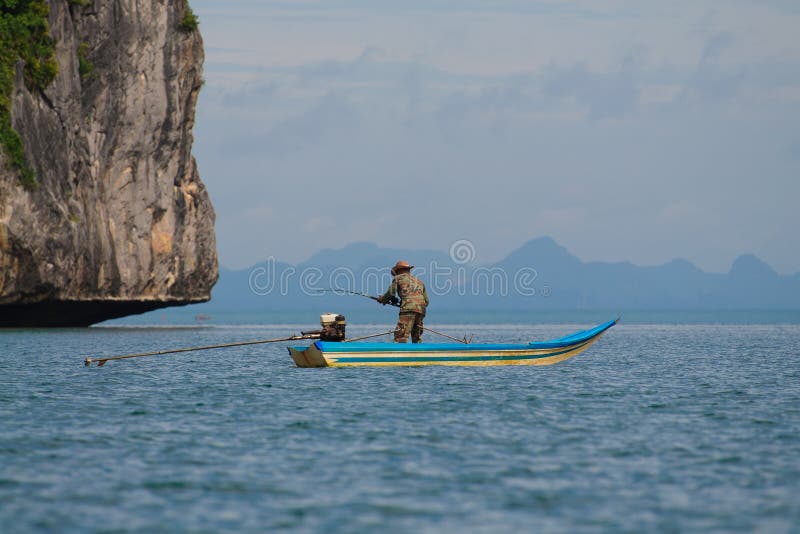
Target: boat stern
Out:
[307,356]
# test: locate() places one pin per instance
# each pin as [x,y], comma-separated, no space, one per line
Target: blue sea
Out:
[668,423]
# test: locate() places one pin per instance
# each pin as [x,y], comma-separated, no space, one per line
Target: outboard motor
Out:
[333,327]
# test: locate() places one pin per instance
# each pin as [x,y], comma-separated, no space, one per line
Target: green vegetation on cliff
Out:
[190,22]
[85,67]
[24,34]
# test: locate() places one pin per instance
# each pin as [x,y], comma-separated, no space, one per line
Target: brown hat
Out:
[401,265]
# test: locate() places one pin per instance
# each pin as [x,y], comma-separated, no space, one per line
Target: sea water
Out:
[657,427]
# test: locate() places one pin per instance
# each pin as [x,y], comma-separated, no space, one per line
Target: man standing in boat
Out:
[413,302]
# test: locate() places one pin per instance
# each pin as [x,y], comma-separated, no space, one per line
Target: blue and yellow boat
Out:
[345,354]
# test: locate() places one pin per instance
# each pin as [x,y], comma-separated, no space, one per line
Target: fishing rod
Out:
[393,301]
[369,336]
[464,341]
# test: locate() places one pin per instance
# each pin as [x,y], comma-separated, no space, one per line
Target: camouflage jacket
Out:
[411,290]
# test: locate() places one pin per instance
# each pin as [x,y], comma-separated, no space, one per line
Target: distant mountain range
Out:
[539,275]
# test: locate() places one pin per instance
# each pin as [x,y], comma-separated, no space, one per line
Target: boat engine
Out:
[333,327]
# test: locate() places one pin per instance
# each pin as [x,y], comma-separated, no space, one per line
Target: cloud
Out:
[711,81]
[258,213]
[605,94]
[330,115]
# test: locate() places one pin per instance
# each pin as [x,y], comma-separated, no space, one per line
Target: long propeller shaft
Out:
[102,361]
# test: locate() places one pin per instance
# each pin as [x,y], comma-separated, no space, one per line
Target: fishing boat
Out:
[346,354]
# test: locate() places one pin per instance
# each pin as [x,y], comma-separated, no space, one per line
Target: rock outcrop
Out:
[120,222]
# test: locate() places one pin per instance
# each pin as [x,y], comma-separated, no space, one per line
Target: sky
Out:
[627,130]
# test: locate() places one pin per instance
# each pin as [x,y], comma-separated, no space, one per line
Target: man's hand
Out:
[380,299]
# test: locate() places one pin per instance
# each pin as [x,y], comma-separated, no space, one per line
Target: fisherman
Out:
[413,302]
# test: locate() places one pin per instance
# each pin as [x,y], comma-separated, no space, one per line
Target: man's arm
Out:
[386,297]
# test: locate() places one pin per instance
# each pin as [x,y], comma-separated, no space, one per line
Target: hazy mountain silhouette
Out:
[541,274]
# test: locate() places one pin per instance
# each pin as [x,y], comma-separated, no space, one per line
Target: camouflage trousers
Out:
[409,323]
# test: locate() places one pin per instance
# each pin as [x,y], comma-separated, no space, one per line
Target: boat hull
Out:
[343,354]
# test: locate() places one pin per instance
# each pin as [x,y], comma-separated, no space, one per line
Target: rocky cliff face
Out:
[120,222]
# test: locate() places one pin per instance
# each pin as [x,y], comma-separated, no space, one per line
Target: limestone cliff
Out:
[120,222]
